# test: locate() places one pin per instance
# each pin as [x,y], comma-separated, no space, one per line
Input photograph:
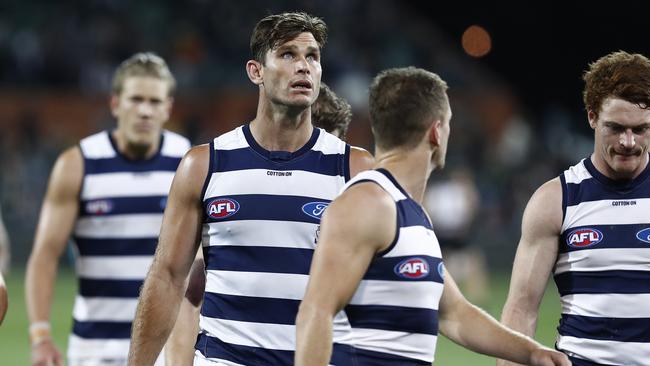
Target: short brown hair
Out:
[277,29]
[403,104]
[331,112]
[619,74]
[145,64]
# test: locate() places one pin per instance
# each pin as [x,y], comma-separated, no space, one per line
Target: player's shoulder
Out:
[544,209]
[360,160]
[174,144]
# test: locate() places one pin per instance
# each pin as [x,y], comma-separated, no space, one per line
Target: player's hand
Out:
[45,353]
[548,357]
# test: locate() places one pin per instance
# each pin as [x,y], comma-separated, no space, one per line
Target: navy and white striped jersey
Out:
[120,213]
[262,210]
[394,311]
[603,268]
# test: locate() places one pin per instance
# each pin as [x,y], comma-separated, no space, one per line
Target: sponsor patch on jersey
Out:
[99,207]
[220,208]
[585,237]
[412,268]
[315,209]
[644,235]
[441,270]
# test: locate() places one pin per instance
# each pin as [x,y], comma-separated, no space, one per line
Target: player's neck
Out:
[135,151]
[281,128]
[411,169]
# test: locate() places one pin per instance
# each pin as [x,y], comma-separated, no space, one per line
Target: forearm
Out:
[39,287]
[479,332]
[4,299]
[313,337]
[520,318]
[155,316]
[179,349]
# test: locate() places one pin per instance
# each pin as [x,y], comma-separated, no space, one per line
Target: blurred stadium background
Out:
[515,92]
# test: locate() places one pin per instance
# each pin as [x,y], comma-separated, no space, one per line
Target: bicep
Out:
[538,247]
[345,248]
[61,204]
[181,227]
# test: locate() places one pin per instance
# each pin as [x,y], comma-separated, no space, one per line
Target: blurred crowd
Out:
[56,60]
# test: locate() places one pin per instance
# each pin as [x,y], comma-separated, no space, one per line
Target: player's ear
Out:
[593,118]
[114,103]
[435,133]
[255,72]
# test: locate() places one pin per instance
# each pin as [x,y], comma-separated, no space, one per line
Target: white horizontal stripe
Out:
[410,345]
[264,335]
[603,213]
[607,305]
[417,294]
[625,259]
[99,348]
[231,140]
[200,360]
[104,309]
[416,240]
[114,267]
[329,144]
[577,173]
[257,181]
[174,145]
[281,234]
[97,146]
[382,180]
[133,226]
[606,352]
[126,184]
[272,285]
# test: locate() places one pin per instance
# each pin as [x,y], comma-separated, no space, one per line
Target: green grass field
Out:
[14,344]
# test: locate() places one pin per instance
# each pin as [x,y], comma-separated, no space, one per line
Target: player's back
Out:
[261,215]
[602,271]
[116,233]
[394,311]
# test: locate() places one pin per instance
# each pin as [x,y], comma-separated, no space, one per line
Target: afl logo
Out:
[221,208]
[644,235]
[586,237]
[412,268]
[315,209]
[99,207]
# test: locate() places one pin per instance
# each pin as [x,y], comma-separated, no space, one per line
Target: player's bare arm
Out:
[476,330]
[166,281]
[360,160]
[536,255]
[57,217]
[354,228]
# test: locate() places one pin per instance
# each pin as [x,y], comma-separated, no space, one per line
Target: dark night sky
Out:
[542,48]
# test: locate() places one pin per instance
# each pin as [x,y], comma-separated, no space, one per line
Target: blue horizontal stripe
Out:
[212,347]
[591,190]
[387,269]
[266,207]
[614,236]
[258,259]
[413,214]
[102,330]
[114,247]
[110,288]
[393,318]
[372,358]
[123,206]
[119,164]
[250,309]
[606,329]
[311,161]
[603,282]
